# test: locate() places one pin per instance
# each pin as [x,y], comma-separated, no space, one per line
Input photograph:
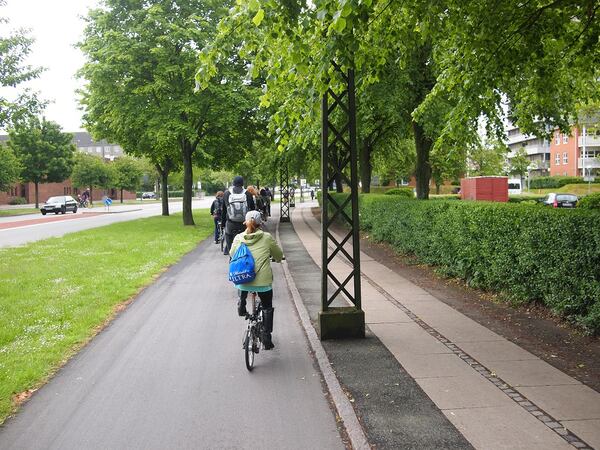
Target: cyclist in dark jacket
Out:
[233,225]
[216,209]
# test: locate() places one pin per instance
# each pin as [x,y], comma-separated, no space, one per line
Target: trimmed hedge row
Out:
[591,201]
[528,253]
[553,182]
[402,192]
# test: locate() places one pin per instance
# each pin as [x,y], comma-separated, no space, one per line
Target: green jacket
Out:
[262,246]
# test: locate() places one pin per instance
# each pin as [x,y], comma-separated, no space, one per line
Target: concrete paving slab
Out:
[490,351]
[468,391]
[565,402]
[588,430]
[375,316]
[504,427]
[402,338]
[435,366]
[533,372]
[462,329]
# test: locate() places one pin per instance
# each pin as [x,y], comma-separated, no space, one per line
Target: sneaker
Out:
[242,310]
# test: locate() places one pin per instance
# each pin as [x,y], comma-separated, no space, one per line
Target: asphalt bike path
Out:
[169,372]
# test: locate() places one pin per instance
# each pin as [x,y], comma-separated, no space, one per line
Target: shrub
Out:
[525,198]
[17,201]
[528,253]
[553,182]
[403,192]
[591,201]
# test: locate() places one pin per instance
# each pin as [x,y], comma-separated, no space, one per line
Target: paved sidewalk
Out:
[497,394]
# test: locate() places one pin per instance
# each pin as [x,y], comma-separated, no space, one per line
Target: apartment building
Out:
[537,149]
[575,154]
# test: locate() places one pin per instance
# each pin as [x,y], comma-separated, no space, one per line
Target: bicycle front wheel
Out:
[249,351]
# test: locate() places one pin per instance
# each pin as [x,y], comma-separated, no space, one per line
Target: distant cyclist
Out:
[263,247]
[236,203]
[216,209]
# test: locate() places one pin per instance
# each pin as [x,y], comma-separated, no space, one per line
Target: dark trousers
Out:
[266,298]
[217,227]
[231,230]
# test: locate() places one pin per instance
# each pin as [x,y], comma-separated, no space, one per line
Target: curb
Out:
[112,212]
[342,404]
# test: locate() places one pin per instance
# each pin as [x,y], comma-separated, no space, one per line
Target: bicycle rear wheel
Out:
[249,351]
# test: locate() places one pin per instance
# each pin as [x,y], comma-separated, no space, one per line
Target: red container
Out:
[491,189]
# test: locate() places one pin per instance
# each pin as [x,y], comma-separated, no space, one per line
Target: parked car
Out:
[148,195]
[560,200]
[60,204]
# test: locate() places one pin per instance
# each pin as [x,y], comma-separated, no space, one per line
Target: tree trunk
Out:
[164,194]
[91,195]
[37,203]
[437,188]
[187,150]
[121,195]
[423,169]
[365,166]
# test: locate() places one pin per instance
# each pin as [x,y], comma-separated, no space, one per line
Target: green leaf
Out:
[258,18]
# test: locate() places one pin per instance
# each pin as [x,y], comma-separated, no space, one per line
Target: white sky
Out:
[56,25]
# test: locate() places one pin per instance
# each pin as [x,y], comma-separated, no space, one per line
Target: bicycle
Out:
[253,336]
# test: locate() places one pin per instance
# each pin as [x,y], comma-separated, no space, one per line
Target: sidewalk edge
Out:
[342,404]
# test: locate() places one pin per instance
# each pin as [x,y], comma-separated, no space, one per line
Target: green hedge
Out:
[591,201]
[17,201]
[405,192]
[553,182]
[528,253]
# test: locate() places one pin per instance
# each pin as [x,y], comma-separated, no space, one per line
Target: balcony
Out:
[590,163]
[590,141]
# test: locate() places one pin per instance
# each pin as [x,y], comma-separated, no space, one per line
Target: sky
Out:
[56,25]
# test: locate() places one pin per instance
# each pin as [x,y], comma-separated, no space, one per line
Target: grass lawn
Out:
[55,293]
[18,212]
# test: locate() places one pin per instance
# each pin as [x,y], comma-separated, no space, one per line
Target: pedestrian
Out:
[216,209]
[237,201]
[312,194]
[263,247]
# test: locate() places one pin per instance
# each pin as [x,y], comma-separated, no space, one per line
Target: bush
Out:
[528,253]
[525,198]
[553,182]
[591,201]
[17,201]
[403,192]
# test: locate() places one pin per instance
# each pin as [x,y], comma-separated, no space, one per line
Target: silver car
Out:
[60,204]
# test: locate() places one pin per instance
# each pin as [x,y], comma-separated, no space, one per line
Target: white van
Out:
[514,186]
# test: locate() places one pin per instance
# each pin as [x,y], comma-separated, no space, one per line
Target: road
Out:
[60,225]
[169,373]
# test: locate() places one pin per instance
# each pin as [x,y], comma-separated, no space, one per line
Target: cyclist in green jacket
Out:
[263,247]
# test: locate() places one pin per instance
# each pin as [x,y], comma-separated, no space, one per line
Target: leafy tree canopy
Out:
[44,151]
[456,61]
[15,105]
[10,168]
[141,63]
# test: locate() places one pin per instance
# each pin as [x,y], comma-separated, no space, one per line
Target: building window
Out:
[565,158]
[557,139]
[565,138]
[557,159]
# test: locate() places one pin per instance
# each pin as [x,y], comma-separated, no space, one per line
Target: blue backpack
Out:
[241,267]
